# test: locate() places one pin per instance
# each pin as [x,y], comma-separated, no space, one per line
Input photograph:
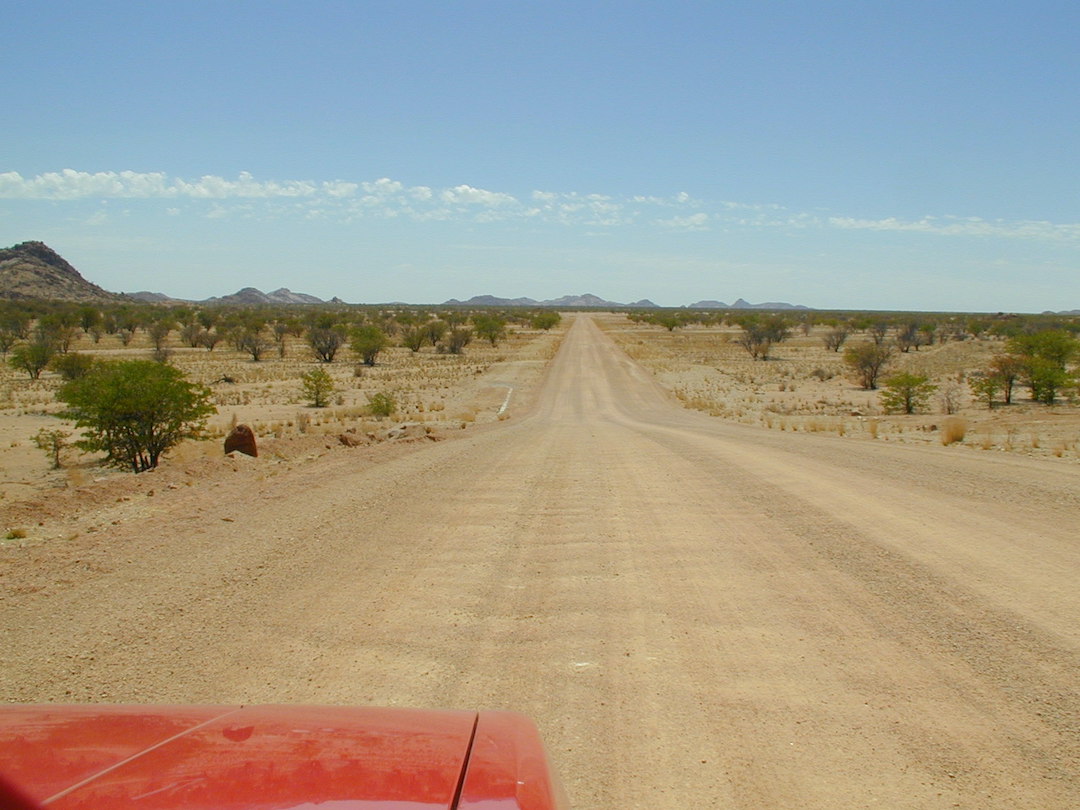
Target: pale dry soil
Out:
[804,387]
[697,613]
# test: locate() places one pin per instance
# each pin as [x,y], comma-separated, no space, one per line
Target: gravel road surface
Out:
[697,614]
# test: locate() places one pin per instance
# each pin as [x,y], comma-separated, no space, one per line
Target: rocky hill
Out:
[589,300]
[566,302]
[34,270]
[741,304]
[249,296]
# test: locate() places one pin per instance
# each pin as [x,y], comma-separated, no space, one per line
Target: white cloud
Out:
[693,222]
[349,200]
[468,195]
[72,185]
[383,187]
[964,226]
[339,188]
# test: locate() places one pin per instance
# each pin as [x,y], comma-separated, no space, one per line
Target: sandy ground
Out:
[697,613]
[804,387]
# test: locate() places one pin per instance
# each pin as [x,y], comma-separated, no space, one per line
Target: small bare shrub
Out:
[950,397]
[53,443]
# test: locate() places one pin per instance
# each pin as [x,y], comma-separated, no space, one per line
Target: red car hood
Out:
[272,758]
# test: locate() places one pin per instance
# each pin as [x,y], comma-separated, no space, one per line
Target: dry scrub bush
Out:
[953,430]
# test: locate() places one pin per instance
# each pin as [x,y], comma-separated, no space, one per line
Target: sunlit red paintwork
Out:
[271,758]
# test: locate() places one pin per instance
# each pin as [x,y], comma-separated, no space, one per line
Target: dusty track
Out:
[698,615]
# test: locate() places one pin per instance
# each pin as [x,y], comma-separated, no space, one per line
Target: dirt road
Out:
[697,614]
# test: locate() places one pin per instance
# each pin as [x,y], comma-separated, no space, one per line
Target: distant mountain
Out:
[590,300]
[587,300]
[566,302]
[150,297]
[492,301]
[34,270]
[249,296]
[741,304]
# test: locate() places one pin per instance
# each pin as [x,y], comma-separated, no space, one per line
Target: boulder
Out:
[409,430]
[241,440]
[350,440]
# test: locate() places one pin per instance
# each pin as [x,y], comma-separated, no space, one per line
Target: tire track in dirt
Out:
[697,614]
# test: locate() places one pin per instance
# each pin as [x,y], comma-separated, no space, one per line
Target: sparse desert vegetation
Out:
[1009,380]
[295,375]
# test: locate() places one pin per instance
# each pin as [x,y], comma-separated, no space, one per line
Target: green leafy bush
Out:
[906,392]
[135,410]
[381,405]
[318,387]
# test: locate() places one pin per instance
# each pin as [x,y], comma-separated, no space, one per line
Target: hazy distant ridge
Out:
[34,270]
[590,300]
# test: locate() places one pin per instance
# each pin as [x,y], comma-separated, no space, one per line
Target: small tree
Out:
[413,338]
[985,388]
[72,365]
[280,330]
[457,339]
[878,330]
[906,392]
[53,443]
[381,405]
[318,387]
[191,333]
[867,360]
[490,327]
[546,320]
[759,335]
[907,338]
[835,338]
[1045,379]
[367,341]
[158,332]
[8,338]
[668,320]
[950,395]
[210,338]
[254,342]
[1007,369]
[135,410]
[325,342]
[34,356]
[434,330]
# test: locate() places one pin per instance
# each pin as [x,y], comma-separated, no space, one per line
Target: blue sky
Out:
[852,155]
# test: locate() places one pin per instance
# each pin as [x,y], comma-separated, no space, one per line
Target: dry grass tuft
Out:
[953,430]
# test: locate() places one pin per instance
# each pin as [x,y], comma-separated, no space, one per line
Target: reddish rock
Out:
[241,440]
[350,439]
